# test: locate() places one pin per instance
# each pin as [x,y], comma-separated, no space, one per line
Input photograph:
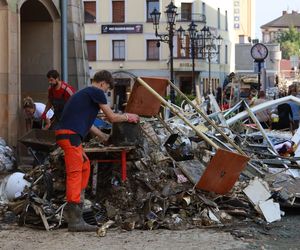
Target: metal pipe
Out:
[209,74]
[64,40]
[171,34]
[193,67]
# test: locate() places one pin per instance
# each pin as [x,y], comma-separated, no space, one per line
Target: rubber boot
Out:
[75,220]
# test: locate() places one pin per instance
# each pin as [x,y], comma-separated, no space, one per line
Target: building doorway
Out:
[40,47]
[121,93]
[185,84]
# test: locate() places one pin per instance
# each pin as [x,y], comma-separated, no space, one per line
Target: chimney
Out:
[243,39]
[284,12]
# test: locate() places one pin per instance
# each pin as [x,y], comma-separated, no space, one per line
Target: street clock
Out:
[259,52]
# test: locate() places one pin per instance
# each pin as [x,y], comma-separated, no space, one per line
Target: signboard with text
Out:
[122,29]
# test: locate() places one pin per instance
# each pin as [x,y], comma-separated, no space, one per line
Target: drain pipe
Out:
[64,39]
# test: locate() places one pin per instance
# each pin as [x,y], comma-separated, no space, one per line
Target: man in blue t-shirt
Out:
[76,121]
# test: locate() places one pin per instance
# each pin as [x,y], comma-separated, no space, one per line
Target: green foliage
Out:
[179,99]
[290,43]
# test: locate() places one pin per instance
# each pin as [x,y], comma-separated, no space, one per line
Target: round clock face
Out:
[259,51]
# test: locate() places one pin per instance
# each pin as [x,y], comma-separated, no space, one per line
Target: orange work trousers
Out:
[77,164]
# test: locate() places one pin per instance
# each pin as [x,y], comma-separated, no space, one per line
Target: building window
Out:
[183,47]
[226,20]
[151,5]
[226,54]
[118,9]
[91,49]
[219,54]
[89,11]
[152,50]
[119,50]
[219,18]
[186,11]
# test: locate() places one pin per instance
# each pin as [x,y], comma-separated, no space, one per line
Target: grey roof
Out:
[285,21]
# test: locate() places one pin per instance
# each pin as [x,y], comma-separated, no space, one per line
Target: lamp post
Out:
[193,36]
[171,13]
[210,47]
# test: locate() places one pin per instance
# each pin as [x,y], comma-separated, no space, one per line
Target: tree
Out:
[290,43]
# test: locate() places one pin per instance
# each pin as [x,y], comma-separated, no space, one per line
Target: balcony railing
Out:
[188,17]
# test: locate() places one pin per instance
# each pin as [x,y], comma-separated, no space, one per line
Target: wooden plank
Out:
[108,149]
[222,172]
[140,102]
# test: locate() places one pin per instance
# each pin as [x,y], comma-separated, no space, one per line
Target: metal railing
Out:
[188,17]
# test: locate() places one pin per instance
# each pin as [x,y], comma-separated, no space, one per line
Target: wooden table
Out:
[97,152]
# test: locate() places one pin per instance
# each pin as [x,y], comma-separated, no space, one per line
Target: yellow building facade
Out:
[121,38]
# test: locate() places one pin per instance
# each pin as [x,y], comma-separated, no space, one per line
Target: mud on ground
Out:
[280,235]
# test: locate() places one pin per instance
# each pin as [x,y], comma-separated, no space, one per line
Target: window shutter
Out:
[90,12]
[91,49]
[118,9]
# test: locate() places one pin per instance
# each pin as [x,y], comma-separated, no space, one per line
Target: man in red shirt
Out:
[59,93]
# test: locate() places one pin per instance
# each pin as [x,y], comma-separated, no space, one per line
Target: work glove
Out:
[132,118]
[44,116]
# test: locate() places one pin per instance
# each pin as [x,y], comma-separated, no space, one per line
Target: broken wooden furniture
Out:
[96,155]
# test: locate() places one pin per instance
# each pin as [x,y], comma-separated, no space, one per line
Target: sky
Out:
[268,10]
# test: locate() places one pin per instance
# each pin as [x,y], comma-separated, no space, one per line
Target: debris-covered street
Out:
[149,124]
[196,179]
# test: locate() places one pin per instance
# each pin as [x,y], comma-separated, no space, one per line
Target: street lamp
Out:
[171,13]
[210,47]
[193,36]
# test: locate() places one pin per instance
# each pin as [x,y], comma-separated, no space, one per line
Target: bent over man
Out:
[59,93]
[76,121]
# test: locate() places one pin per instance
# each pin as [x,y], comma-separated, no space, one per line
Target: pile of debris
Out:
[160,192]
[7,159]
[158,195]
[190,170]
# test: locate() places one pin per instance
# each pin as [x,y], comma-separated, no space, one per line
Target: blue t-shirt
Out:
[296,110]
[81,110]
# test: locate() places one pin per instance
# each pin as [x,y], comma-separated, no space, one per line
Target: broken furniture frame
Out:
[96,152]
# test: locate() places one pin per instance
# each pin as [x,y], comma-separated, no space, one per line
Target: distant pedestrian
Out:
[285,117]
